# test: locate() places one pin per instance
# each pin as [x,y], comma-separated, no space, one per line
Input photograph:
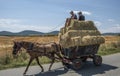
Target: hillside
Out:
[111,34]
[26,33]
[31,32]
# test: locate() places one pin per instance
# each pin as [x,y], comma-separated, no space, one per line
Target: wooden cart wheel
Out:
[77,64]
[97,60]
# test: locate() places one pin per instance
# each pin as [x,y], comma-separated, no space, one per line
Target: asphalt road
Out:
[110,67]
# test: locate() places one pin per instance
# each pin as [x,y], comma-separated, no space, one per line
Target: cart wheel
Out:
[97,60]
[66,65]
[77,64]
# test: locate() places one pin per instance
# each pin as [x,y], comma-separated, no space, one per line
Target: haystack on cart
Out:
[80,40]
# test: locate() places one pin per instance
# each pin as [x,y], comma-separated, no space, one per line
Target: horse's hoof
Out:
[42,70]
[24,74]
[65,68]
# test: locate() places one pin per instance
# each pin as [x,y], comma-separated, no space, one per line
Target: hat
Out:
[80,12]
[71,12]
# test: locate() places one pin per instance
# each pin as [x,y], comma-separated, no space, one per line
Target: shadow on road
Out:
[55,72]
[87,70]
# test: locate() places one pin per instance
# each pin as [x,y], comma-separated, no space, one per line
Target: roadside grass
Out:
[109,51]
[23,58]
[111,48]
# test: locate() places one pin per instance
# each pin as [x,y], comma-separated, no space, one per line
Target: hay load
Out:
[80,33]
[81,25]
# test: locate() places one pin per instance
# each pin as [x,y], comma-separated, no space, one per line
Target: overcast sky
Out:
[50,15]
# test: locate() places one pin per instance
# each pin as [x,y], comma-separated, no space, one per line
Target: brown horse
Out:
[36,50]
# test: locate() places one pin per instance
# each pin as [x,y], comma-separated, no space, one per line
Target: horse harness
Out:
[31,47]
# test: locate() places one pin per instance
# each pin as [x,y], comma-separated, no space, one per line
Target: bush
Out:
[6,59]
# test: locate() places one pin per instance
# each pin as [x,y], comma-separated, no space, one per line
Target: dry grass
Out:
[6,43]
[109,39]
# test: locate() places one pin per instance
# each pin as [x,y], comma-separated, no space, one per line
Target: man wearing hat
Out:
[73,15]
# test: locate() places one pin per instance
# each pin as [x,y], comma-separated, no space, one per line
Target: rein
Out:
[31,45]
[44,49]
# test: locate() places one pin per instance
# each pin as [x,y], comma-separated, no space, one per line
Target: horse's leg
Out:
[58,54]
[53,60]
[39,64]
[31,59]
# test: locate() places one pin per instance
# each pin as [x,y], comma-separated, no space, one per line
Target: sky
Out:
[50,15]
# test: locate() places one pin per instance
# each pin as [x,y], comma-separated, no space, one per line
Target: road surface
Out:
[110,67]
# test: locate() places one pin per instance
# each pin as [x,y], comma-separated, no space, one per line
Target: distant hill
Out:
[26,33]
[53,33]
[111,34]
[2,33]
[31,33]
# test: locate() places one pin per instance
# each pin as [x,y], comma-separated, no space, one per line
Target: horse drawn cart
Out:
[80,40]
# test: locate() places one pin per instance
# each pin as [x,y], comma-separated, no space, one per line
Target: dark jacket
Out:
[74,16]
[82,18]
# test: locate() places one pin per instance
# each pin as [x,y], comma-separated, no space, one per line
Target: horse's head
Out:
[17,46]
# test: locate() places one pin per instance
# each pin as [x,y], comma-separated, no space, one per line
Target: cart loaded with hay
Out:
[80,40]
